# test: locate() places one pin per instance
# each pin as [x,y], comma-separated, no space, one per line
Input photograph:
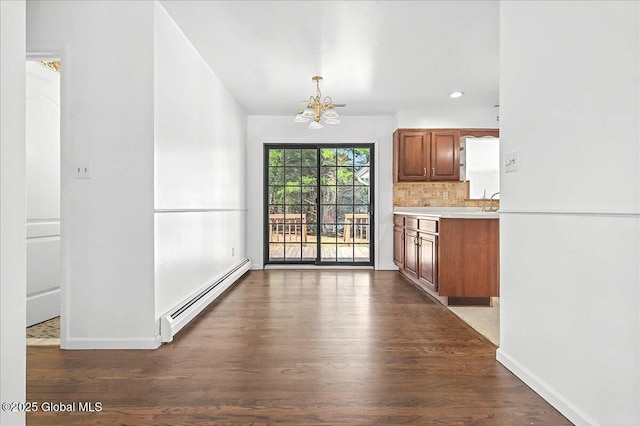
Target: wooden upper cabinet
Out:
[421,155]
[411,155]
[445,155]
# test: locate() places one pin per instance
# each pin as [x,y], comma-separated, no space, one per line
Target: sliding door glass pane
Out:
[292,198]
[345,204]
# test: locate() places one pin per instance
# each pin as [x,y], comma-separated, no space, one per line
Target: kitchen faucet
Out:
[491,203]
[490,207]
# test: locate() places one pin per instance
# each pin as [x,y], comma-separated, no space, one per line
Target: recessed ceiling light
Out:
[456,94]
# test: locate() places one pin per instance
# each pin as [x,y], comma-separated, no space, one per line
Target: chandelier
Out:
[318,109]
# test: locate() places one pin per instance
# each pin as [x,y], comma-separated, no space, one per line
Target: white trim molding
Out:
[43,50]
[111,343]
[542,388]
[595,213]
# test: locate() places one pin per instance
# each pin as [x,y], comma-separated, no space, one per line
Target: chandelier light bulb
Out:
[308,113]
[330,113]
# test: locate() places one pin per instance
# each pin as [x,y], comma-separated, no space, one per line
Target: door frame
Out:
[60,51]
[372,205]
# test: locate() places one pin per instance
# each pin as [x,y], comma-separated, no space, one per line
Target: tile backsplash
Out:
[436,194]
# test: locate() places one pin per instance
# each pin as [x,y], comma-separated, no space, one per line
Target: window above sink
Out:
[480,165]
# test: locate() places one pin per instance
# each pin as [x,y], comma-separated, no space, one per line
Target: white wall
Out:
[43,192]
[200,174]
[470,118]
[160,133]
[12,210]
[352,129]
[570,217]
[110,288]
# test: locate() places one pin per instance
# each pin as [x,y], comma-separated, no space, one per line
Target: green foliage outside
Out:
[343,183]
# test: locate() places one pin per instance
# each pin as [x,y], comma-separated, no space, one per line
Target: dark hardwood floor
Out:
[298,347]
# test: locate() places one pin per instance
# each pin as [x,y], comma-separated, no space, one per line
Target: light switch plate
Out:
[81,171]
[512,162]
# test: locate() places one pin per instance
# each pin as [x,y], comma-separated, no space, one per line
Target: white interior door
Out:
[43,192]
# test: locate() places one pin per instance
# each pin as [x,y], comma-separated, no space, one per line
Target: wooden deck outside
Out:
[340,253]
[291,239]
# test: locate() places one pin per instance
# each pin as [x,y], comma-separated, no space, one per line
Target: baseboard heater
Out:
[172,323]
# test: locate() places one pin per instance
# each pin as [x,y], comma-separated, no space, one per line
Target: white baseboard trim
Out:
[43,306]
[387,267]
[542,388]
[111,343]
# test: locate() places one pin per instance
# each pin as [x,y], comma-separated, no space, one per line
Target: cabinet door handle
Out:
[433,171]
[425,172]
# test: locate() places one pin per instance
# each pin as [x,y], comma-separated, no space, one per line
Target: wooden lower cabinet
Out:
[411,253]
[428,261]
[454,260]
[398,246]
[469,258]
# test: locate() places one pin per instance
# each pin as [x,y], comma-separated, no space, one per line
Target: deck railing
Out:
[288,227]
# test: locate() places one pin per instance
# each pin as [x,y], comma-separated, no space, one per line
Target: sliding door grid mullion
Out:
[318,209]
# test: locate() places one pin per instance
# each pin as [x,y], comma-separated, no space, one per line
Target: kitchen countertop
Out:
[447,212]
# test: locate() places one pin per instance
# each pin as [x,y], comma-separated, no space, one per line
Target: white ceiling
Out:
[375,56]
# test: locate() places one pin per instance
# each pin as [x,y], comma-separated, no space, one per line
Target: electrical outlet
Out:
[233,251]
[81,171]
[445,195]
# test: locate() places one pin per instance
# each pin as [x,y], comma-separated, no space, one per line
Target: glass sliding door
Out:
[292,204]
[345,201]
[318,202]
